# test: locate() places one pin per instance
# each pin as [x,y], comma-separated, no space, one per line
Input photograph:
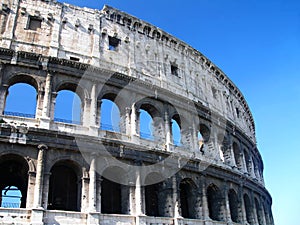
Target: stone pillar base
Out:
[37,216]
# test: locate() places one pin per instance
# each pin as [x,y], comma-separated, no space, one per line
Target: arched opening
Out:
[21,100]
[10,197]
[258,212]
[13,181]
[248,208]
[176,130]
[234,206]
[237,155]
[150,122]
[188,198]
[215,203]
[200,140]
[152,197]
[63,187]
[68,107]
[225,153]
[110,116]
[114,195]
[146,125]
[203,135]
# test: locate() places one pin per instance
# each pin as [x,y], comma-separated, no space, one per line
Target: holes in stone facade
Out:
[74,59]
[174,70]
[34,23]
[113,43]
[63,188]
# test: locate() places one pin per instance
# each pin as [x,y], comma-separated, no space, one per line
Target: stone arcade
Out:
[108,55]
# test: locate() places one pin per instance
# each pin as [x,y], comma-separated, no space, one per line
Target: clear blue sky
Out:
[257,44]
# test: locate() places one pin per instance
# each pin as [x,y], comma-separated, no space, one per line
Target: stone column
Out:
[244,161]
[52,107]
[30,189]
[86,112]
[243,214]
[127,121]
[204,199]
[134,119]
[138,196]
[93,185]
[3,95]
[47,96]
[84,192]
[175,197]
[165,198]
[227,205]
[254,209]
[196,146]
[98,195]
[168,130]
[45,117]
[252,169]
[263,215]
[39,104]
[38,187]
[93,107]
[46,190]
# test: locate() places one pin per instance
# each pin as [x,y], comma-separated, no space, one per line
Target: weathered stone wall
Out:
[144,51]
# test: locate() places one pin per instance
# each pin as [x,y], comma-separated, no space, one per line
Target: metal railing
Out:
[10,205]
[109,127]
[67,121]
[18,114]
[147,136]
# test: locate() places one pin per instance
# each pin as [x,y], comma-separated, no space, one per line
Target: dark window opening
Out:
[237,112]
[34,23]
[187,199]
[234,206]
[63,189]
[74,59]
[151,200]
[113,43]
[248,208]
[111,197]
[214,200]
[174,70]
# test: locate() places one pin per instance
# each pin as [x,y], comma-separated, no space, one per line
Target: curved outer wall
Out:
[98,54]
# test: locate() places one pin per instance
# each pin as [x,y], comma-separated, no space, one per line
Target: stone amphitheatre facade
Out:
[89,172]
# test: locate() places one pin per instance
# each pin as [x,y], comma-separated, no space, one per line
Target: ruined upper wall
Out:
[113,39]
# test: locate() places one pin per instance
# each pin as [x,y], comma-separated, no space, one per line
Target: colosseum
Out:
[180,146]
